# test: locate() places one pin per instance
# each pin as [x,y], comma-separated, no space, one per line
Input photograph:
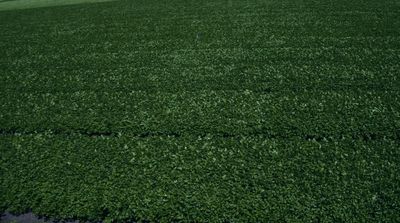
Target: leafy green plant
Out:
[202,111]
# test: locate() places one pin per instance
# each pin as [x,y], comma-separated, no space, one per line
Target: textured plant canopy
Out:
[26,4]
[202,111]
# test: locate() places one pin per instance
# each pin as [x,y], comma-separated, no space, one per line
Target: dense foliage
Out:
[210,111]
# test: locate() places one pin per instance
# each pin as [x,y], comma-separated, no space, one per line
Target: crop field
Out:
[26,4]
[201,111]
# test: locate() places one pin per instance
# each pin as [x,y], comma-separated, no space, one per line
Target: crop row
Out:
[230,77]
[200,178]
[303,114]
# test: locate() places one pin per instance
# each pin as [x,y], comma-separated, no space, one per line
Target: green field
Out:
[27,4]
[201,111]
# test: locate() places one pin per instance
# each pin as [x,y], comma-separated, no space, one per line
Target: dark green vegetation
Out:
[26,4]
[238,111]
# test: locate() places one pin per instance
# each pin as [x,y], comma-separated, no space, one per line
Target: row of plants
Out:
[322,114]
[190,178]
